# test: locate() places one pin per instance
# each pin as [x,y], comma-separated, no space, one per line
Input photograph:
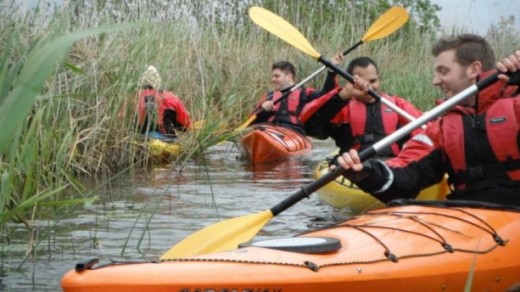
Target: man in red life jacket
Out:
[354,119]
[160,110]
[286,113]
[477,143]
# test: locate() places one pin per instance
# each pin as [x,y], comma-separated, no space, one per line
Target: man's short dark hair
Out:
[362,62]
[285,66]
[468,49]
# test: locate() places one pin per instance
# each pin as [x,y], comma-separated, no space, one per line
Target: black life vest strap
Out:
[485,171]
[368,138]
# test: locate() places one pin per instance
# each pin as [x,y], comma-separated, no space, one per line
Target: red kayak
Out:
[267,142]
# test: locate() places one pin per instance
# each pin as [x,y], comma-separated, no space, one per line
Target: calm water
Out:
[120,225]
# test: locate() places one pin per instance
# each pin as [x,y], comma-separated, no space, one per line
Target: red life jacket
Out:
[155,103]
[367,130]
[288,110]
[482,146]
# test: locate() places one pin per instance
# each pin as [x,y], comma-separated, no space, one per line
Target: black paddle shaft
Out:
[352,48]
[437,111]
[346,75]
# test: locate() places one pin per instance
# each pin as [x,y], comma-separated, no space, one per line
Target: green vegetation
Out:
[27,181]
[61,117]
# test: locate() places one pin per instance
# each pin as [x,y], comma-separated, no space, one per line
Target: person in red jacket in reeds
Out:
[353,118]
[477,142]
[160,110]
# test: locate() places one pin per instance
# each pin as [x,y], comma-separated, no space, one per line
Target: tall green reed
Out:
[32,146]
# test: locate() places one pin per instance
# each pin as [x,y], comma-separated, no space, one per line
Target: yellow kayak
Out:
[161,148]
[341,193]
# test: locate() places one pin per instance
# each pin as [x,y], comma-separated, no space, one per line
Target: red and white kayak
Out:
[400,248]
[266,142]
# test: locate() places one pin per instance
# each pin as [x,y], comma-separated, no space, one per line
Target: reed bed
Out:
[208,52]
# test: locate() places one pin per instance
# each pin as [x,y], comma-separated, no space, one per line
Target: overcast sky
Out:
[476,15]
[473,15]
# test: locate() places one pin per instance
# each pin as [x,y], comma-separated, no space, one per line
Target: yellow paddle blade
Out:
[393,19]
[246,123]
[222,236]
[282,29]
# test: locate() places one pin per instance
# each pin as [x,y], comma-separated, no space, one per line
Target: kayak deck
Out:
[267,142]
[392,249]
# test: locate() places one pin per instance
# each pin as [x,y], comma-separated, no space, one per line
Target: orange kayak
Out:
[401,248]
[267,142]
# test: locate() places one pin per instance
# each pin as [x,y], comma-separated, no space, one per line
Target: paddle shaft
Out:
[320,70]
[308,189]
[371,92]
[353,47]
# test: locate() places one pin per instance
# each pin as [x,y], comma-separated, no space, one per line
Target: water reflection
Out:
[143,216]
[288,172]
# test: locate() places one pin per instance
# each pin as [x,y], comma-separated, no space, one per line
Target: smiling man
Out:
[459,62]
[476,143]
